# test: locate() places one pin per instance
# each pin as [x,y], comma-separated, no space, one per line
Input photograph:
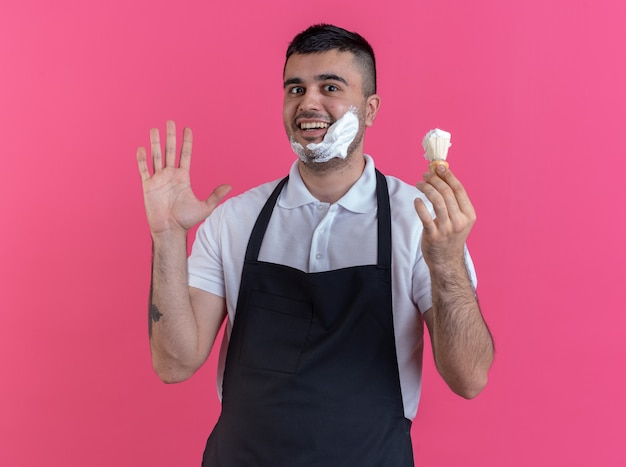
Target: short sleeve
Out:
[205,269]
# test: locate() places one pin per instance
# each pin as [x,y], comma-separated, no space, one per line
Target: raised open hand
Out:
[170,203]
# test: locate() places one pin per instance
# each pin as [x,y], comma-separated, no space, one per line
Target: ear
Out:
[372,104]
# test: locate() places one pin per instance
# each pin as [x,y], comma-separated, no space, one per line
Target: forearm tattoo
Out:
[154,315]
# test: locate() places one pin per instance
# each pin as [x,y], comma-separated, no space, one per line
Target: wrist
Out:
[452,268]
[167,237]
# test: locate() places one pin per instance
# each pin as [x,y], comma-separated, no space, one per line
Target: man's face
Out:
[319,89]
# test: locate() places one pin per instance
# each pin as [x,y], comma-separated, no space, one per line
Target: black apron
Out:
[311,375]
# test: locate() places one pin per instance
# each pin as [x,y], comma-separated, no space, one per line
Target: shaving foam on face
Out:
[336,141]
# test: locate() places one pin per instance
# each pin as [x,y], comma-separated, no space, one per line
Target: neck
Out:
[329,181]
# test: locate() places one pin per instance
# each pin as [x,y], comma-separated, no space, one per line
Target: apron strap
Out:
[258,232]
[384,221]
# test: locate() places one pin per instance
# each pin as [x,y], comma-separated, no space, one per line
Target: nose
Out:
[310,100]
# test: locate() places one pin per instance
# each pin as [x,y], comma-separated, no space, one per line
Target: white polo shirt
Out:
[312,236]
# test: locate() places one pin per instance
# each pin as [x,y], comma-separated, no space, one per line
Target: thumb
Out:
[217,195]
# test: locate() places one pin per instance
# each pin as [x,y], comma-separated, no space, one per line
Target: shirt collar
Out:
[360,198]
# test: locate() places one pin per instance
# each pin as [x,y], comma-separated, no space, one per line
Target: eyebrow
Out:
[322,77]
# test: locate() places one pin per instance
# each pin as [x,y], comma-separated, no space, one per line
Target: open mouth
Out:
[313,131]
[308,126]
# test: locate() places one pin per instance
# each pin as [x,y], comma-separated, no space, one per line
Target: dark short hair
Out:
[324,37]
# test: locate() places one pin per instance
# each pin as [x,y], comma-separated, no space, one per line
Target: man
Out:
[322,276]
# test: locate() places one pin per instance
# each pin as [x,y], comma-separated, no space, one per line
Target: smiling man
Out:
[325,278]
[341,98]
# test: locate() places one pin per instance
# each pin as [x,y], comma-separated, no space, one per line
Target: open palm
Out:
[169,199]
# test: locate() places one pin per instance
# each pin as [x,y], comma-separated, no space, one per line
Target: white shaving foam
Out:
[336,141]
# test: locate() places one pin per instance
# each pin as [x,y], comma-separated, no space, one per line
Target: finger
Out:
[457,201]
[424,214]
[170,144]
[436,198]
[462,199]
[185,150]
[143,164]
[447,194]
[155,148]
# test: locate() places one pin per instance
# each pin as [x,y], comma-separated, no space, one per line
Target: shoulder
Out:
[236,216]
[399,188]
[250,201]
[406,225]
[402,194]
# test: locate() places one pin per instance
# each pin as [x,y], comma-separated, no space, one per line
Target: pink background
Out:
[534,94]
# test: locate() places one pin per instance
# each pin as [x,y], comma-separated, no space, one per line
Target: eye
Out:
[331,88]
[296,90]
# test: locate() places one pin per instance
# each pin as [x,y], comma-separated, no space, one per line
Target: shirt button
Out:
[320,207]
[318,256]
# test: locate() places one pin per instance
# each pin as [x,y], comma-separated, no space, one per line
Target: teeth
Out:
[313,125]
